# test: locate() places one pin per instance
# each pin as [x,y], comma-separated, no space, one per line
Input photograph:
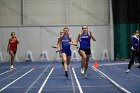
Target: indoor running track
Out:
[48,77]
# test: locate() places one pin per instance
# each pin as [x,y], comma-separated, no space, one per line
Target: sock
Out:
[62,63]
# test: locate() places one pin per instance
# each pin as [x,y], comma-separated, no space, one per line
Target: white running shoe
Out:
[11,66]
[127,71]
[82,71]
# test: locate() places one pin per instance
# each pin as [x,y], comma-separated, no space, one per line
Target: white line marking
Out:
[73,87]
[10,70]
[79,86]
[41,88]
[112,81]
[36,80]
[6,72]
[8,77]
[16,80]
[98,86]
[11,75]
[111,64]
[128,73]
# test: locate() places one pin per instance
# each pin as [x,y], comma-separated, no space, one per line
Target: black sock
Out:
[62,63]
[66,74]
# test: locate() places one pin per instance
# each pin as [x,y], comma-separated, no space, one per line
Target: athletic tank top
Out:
[85,40]
[65,42]
[13,44]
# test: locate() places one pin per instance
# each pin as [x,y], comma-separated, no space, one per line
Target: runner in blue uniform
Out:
[135,50]
[65,41]
[84,39]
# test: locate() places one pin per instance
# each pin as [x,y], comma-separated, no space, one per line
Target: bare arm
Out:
[56,46]
[17,40]
[77,40]
[93,38]
[72,41]
[59,42]
[8,45]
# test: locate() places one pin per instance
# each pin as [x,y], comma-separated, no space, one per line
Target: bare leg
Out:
[68,60]
[86,67]
[64,60]
[12,57]
[60,54]
[84,58]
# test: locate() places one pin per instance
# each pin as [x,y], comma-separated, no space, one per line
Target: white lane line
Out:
[41,88]
[11,75]
[8,77]
[6,72]
[73,87]
[16,80]
[112,81]
[79,86]
[111,64]
[127,73]
[11,70]
[36,80]
[98,86]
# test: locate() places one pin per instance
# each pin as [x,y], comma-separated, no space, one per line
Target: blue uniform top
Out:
[135,43]
[65,42]
[85,40]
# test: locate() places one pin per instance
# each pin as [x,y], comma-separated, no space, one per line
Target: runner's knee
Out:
[84,58]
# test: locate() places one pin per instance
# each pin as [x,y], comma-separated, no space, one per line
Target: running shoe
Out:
[82,71]
[127,71]
[11,67]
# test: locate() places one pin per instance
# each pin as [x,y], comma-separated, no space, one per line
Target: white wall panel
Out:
[38,39]
[54,12]
[10,12]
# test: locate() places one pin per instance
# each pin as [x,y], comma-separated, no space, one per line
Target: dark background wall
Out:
[126,17]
